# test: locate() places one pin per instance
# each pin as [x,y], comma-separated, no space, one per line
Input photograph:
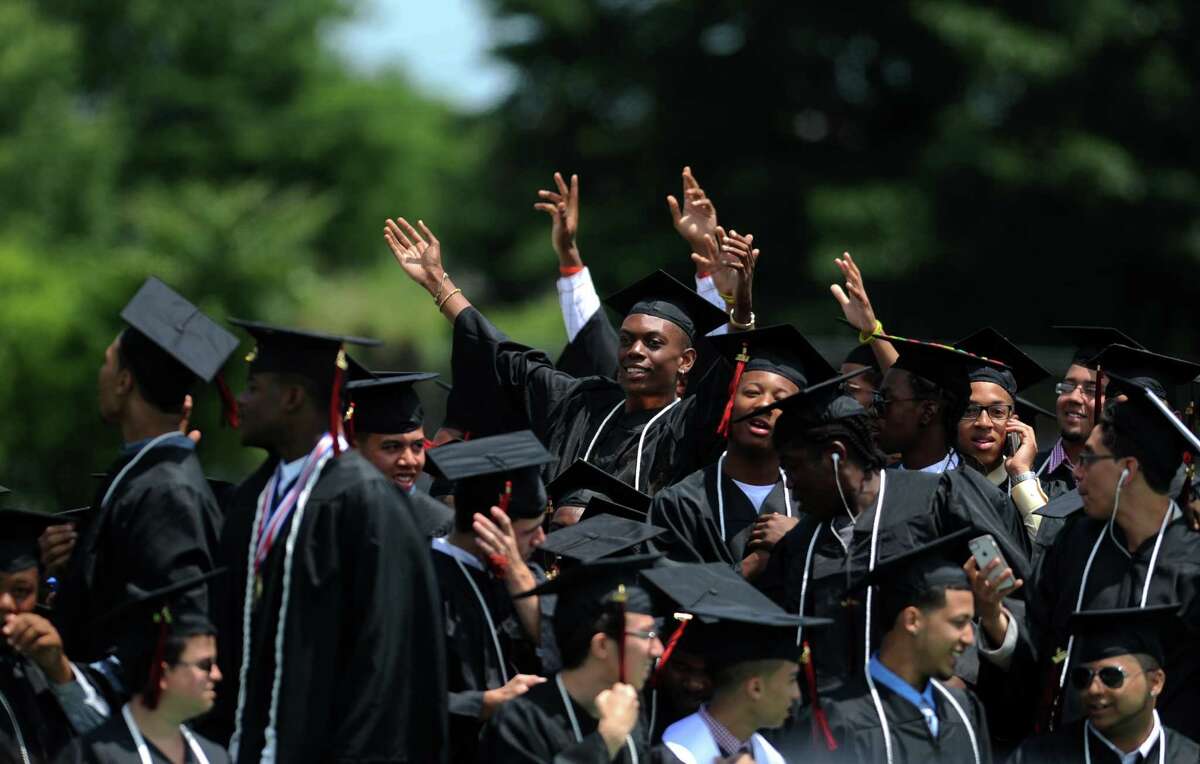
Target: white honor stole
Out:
[692,743]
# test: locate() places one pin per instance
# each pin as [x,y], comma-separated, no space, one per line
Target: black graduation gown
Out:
[363,668]
[1116,580]
[854,723]
[593,351]
[1067,746]
[471,660]
[535,729]
[161,525]
[918,507]
[44,728]
[111,743]
[565,412]
[689,510]
[1055,514]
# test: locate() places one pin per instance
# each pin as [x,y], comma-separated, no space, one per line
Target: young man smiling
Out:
[636,427]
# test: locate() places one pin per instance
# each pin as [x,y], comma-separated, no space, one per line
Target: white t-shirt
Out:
[757,494]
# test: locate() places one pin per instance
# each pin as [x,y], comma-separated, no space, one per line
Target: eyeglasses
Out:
[647,635]
[1067,387]
[1088,458]
[997,412]
[205,666]
[880,402]
[1111,676]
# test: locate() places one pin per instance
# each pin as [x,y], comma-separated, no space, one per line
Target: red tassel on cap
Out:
[684,619]
[739,369]
[335,401]
[821,731]
[619,599]
[150,692]
[229,406]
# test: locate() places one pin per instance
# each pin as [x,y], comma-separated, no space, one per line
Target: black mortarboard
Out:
[901,578]
[1028,411]
[1090,340]
[738,622]
[151,617]
[862,355]
[781,349]
[1153,370]
[1101,634]
[1063,505]
[19,531]
[387,402]
[604,535]
[598,505]
[945,366]
[817,404]
[180,328]
[1023,372]
[1147,421]
[578,484]
[488,469]
[663,296]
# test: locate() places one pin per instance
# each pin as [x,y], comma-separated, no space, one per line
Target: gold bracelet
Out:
[447,299]
[740,326]
[441,286]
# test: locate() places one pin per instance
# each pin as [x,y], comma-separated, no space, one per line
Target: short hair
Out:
[730,676]
[1147,662]
[951,406]
[318,393]
[161,380]
[575,639]
[1158,476]
[894,599]
[855,432]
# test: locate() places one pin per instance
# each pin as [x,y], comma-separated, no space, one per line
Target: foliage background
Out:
[1007,164]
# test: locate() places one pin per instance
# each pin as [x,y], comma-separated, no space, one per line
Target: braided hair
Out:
[856,432]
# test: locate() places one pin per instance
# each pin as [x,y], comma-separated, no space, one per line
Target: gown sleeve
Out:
[517,735]
[593,352]
[680,511]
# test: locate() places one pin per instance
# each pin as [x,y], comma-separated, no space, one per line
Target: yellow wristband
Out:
[868,337]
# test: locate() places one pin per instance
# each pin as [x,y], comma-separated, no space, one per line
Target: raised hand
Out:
[56,544]
[618,709]
[856,306]
[1022,460]
[989,596]
[185,420]
[32,635]
[419,253]
[563,207]
[741,257]
[708,260]
[697,217]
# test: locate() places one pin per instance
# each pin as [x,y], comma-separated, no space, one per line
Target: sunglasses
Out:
[1111,677]
[205,666]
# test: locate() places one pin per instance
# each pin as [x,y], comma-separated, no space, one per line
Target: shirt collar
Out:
[726,740]
[462,555]
[947,463]
[289,471]
[997,476]
[1143,750]
[888,678]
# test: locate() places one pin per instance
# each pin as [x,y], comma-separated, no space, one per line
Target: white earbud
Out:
[836,458]
[1124,476]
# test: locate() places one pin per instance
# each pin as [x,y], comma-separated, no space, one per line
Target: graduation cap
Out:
[387,403]
[578,484]
[781,350]
[598,506]
[1163,438]
[948,367]
[662,296]
[938,563]
[1104,634]
[1023,372]
[1090,340]
[503,470]
[603,535]
[862,355]
[1146,369]
[150,618]
[816,404]
[19,532]
[317,356]
[1028,411]
[170,343]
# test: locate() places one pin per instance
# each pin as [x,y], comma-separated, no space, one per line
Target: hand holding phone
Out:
[985,549]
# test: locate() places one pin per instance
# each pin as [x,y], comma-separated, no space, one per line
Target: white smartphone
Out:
[985,549]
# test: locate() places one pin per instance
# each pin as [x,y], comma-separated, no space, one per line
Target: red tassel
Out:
[229,406]
[150,692]
[429,444]
[739,369]
[821,731]
[619,600]
[335,402]
[506,497]
[670,648]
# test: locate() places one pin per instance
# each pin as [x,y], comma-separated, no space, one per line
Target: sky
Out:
[441,44]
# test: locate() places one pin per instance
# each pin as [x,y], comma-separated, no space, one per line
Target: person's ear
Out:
[911,620]
[837,453]
[291,397]
[928,413]
[125,382]
[687,359]
[599,646]
[1156,679]
[754,687]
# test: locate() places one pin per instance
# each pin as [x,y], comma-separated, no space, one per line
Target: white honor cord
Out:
[1087,569]
[112,487]
[1162,742]
[787,495]
[637,471]
[267,755]
[16,729]
[487,616]
[812,544]
[144,751]
[566,699]
[961,715]
[883,722]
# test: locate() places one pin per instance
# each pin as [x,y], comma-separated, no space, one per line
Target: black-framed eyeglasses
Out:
[997,412]
[205,666]
[1112,677]
[1066,387]
[879,401]
[1088,458]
